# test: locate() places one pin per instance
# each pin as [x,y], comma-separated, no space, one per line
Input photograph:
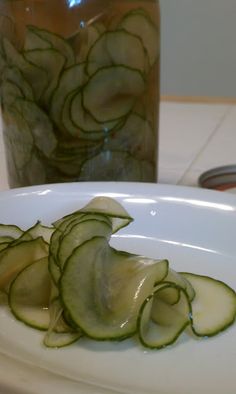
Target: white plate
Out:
[195,229]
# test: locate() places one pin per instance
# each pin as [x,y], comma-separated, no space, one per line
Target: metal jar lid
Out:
[219,178]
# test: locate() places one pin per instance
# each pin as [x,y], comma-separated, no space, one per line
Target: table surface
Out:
[193,137]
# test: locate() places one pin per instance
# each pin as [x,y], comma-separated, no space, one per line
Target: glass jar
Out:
[80,90]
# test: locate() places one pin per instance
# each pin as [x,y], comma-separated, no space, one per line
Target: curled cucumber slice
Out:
[160,323]
[214,305]
[102,288]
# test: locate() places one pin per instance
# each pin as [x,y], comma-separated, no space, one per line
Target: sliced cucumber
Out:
[17,257]
[160,323]
[52,62]
[84,121]
[214,305]
[72,78]
[78,234]
[34,75]
[29,295]
[117,87]
[141,25]
[95,293]
[182,282]
[39,230]
[10,230]
[57,42]
[117,48]
[109,207]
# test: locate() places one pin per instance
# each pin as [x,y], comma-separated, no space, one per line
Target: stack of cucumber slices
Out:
[68,107]
[70,282]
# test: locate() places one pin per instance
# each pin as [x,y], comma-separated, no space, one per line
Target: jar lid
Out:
[219,178]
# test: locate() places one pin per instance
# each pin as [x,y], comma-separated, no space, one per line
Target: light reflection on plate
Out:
[195,229]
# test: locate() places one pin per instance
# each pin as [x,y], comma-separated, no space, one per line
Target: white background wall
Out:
[198,48]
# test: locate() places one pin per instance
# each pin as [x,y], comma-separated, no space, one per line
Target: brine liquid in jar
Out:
[80,90]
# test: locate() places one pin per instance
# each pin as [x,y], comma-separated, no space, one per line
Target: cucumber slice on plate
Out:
[117,48]
[15,258]
[29,295]
[117,87]
[140,24]
[78,234]
[102,289]
[161,323]
[111,208]
[213,307]
[10,230]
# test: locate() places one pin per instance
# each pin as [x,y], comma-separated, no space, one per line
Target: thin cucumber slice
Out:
[34,41]
[109,207]
[15,76]
[57,42]
[52,62]
[17,257]
[29,295]
[84,121]
[214,305]
[40,126]
[117,48]
[115,99]
[72,78]
[102,289]
[78,234]
[10,230]
[141,25]
[34,75]
[159,323]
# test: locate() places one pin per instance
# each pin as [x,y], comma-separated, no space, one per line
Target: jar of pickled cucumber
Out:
[79,90]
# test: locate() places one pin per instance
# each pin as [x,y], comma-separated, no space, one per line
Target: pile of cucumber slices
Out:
[70,282]
[79,108]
